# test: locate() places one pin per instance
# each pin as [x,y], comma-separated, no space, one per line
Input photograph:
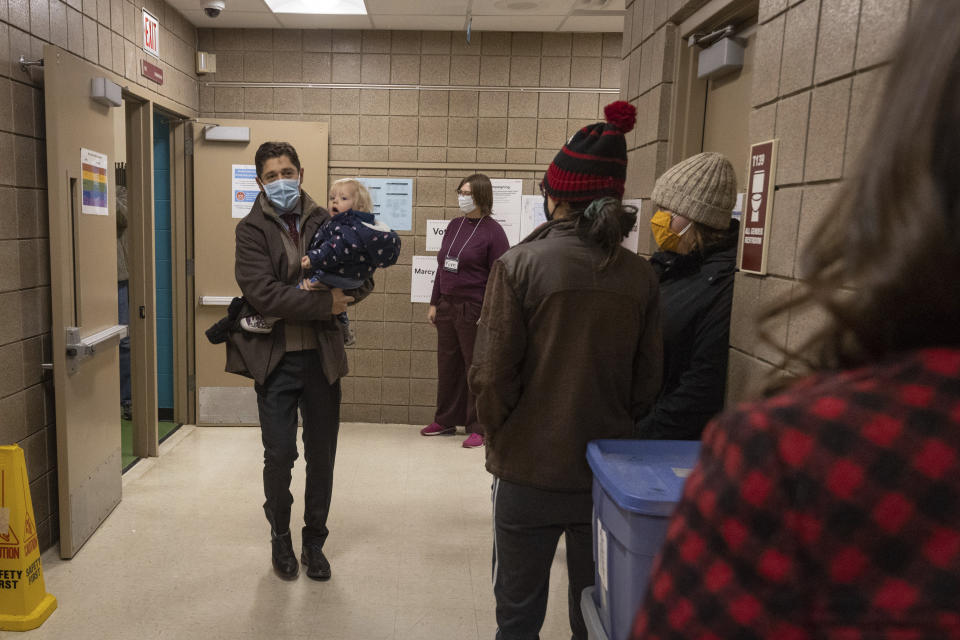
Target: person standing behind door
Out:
[568,351]
[297,365]
[471,244]
[696,264]
[123,302]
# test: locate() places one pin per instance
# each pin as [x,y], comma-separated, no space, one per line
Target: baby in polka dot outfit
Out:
[348,248]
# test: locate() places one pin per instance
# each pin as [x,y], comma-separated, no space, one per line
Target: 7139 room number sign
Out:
[758,209]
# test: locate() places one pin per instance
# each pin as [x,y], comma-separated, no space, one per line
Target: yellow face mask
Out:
[666,238]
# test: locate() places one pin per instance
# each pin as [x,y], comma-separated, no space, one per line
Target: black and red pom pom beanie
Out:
[593,163]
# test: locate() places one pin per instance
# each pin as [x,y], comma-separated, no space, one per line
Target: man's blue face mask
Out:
[284,194]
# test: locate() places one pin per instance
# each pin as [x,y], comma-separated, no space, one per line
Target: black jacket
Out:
[696,295]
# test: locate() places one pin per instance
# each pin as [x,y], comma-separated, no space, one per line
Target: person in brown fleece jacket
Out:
[568,350]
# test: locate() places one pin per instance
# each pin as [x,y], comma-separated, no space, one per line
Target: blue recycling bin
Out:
[591,615]
[637,484]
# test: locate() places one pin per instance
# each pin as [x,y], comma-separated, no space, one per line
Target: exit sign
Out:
[151,34]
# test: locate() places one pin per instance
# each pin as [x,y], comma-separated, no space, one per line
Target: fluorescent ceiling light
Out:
[321,7]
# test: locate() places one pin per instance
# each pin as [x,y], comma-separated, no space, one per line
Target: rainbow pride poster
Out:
[94,166]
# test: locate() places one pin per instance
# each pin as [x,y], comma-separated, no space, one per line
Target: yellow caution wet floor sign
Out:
[24,601]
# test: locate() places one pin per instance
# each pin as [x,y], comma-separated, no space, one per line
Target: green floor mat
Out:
[126,443]
[165,428]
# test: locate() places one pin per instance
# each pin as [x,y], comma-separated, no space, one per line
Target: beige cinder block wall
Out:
[105,33]
[819,67]
[504,133]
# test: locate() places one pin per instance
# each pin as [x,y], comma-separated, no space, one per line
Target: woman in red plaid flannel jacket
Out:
[833,509]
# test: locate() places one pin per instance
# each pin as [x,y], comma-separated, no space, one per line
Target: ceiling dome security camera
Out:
[213,8]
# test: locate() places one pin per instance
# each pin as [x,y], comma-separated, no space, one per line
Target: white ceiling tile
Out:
[319,7]
[594,5]
[414,7]
[516,23]
[415,22]
[543,7]
[196,6]
[298,21]
[593,24]
[444,15]
[236,5]
[233,20]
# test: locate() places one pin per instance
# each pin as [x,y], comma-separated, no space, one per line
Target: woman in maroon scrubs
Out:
[471,244]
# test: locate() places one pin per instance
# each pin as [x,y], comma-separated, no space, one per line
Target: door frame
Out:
[143,350]
[184,299]
[143,332]
[181,256]
[690,92]
[139,118]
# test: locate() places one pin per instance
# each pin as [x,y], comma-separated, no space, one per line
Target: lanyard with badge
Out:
[453,264]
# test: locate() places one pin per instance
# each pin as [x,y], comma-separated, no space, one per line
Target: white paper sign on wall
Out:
[435,230]
[738,208]
[423,272]
[507,206]
[95,199]
[632,241]
[533,215]
[243,189]
[392,201]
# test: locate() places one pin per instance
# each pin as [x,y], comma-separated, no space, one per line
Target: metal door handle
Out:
[216,301]
[80,348]
[143,312]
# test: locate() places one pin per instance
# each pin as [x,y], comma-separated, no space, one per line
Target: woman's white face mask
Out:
[467,205]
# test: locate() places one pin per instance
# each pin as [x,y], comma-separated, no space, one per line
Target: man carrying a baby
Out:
[299,363]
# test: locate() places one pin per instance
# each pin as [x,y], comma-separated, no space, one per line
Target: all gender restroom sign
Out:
[761,179]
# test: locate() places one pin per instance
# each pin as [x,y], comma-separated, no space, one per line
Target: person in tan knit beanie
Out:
[696,264]
[703,190]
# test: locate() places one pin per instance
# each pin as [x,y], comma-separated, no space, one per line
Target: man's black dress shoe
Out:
[318,567]
[284,561]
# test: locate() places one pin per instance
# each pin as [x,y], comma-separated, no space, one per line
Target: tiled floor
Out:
[186,553]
